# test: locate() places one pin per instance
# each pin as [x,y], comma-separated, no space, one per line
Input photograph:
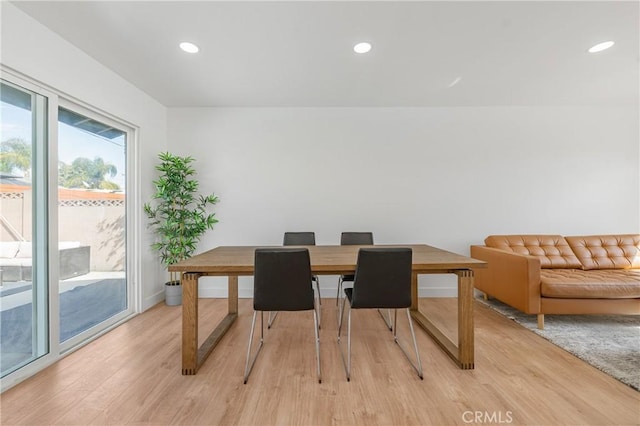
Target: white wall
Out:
[34,51]
[447,177]
[442,176]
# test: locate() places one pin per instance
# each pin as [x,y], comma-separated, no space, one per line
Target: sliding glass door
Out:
[91,222]
[24,298]
[65,266]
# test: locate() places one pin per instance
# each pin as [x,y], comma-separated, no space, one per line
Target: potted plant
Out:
[179,217]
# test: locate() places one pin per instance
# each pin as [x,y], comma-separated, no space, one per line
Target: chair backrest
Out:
[383,278]
[299,239]
[282,280]
[356,238]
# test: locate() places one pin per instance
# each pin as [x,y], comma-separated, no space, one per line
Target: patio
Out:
[84,302]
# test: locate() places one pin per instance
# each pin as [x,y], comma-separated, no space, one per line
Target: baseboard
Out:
[327,292]
[153,300]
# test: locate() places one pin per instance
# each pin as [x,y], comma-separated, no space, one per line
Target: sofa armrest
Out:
[509,277]
[74,261]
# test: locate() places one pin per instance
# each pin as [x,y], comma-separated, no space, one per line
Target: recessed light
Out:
[601,46]
[189,47]
[363,47]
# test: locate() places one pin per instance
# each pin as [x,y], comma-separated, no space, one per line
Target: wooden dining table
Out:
[235,261]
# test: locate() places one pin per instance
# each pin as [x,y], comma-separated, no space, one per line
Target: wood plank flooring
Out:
[131,376]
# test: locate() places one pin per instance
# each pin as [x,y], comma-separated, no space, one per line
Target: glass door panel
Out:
[91,222]
[23,248]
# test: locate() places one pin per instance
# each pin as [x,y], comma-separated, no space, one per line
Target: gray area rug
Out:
[611,343]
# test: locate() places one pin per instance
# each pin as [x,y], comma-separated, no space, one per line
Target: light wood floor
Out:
[132,376]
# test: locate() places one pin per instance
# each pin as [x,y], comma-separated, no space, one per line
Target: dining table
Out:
[236,261]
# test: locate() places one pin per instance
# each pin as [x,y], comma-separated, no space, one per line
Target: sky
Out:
[15,122]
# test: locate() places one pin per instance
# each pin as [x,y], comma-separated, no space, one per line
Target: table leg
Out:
[465,319]
[192,355]
[233,294]
[189,323]
[462,353]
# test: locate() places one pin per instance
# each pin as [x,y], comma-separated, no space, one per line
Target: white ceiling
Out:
[299,53]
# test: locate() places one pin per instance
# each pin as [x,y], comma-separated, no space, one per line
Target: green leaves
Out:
[179,216]
[15,156]
[86,173]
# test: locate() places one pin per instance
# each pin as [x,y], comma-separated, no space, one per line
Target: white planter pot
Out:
[173,293]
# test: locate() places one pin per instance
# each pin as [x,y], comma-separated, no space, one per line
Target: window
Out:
[91,222]
[23,239]
[65,237]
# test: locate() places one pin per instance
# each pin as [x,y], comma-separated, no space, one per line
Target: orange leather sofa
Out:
[552,274]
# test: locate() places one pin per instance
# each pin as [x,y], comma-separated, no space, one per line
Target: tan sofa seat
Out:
[593,284]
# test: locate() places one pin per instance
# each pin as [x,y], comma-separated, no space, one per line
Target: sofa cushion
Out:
[599,284]
[607,251]
[11,262]
[25,251]
[552,250]
[9,249]
[62,245]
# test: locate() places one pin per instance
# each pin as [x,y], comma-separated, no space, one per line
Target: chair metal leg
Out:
[319,298]
[349,345]
[418,365]
[248,367]
[316,329]
[340,317]
[271,319]
[340,295]
[387,321]
[250,362]
[347,364]
[317,280]
[346,361]
[339,299]
[415,344]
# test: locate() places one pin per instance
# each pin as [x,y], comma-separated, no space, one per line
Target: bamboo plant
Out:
[180,216]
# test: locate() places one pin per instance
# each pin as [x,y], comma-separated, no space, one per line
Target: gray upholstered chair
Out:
[355,239]
[352,239]
[382,281]
[282,282]
[300,239]
[303,239]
